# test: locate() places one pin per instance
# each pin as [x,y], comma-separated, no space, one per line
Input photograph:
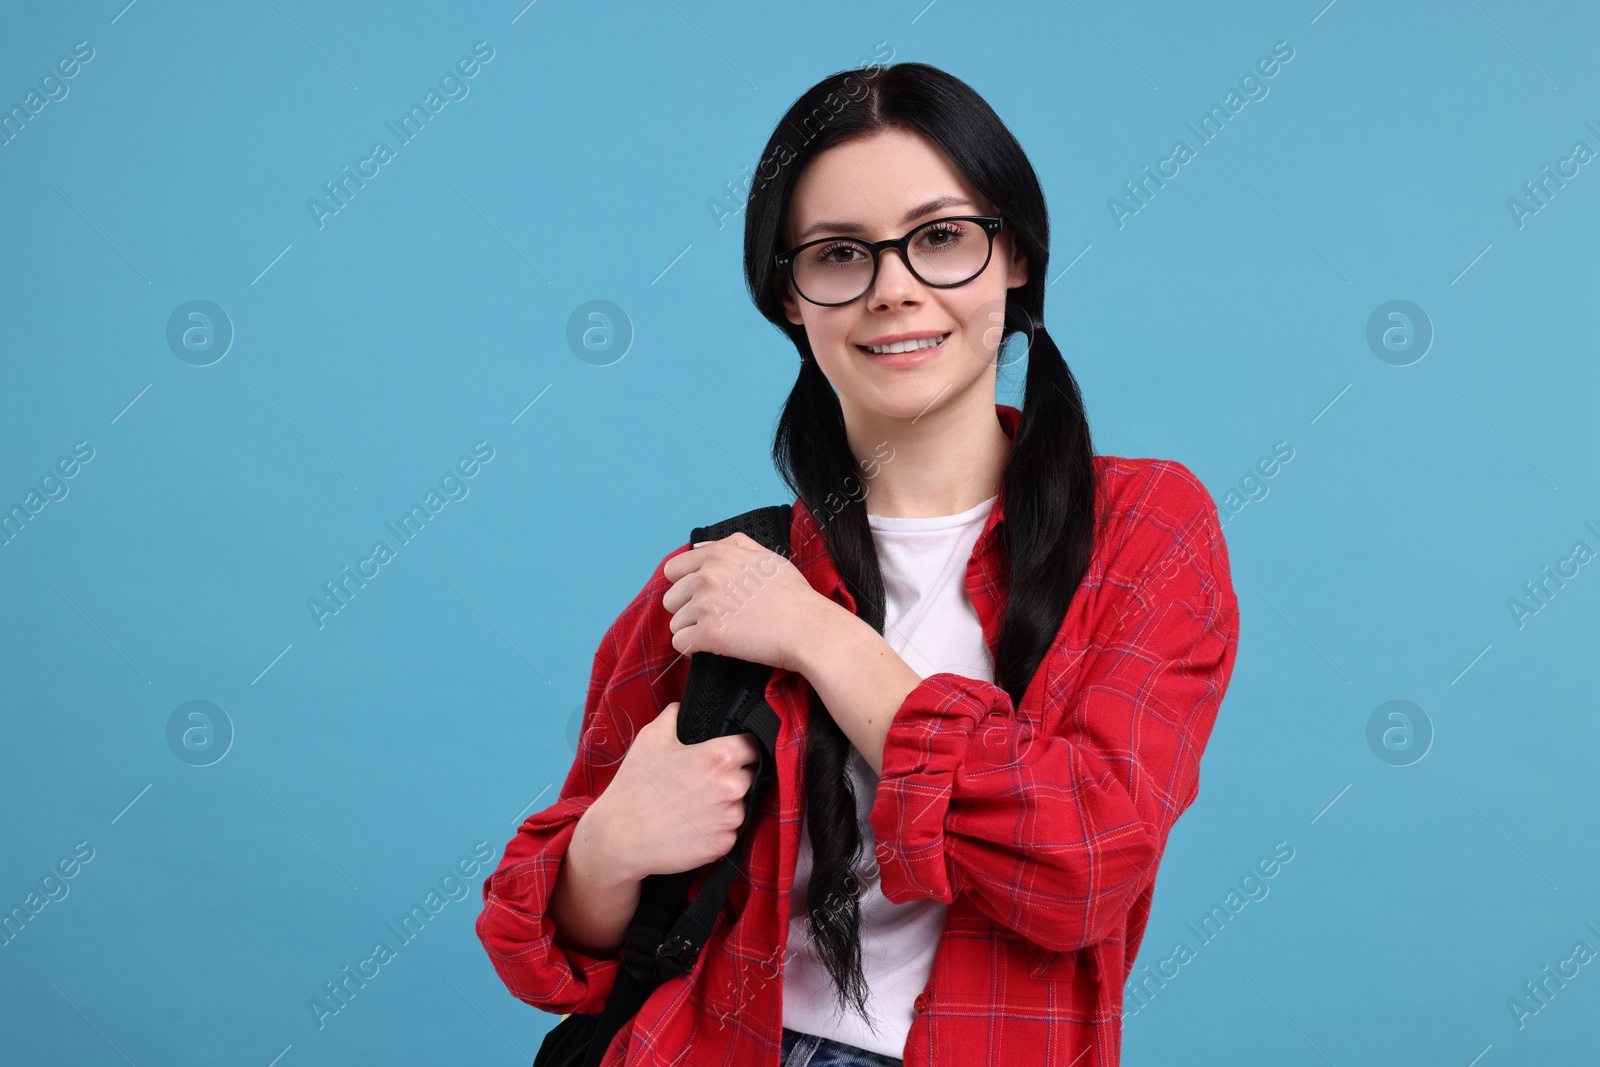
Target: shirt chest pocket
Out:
[1052,966]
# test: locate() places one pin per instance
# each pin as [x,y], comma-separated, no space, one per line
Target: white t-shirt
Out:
[930,621]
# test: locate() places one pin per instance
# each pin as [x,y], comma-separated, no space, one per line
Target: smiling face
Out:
[876,188]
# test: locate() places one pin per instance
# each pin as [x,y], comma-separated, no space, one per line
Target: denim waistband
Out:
[809,1050]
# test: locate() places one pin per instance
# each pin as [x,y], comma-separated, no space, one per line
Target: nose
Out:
[895,283]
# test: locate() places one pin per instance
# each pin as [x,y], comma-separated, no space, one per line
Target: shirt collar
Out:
[810,551]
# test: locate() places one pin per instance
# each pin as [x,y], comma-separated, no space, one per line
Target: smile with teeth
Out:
[905,346]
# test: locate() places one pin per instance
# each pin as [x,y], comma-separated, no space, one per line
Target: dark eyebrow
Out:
[936,204]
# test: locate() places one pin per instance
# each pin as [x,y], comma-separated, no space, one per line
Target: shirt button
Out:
[921,1003]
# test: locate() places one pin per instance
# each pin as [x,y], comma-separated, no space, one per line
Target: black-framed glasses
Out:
[943,253]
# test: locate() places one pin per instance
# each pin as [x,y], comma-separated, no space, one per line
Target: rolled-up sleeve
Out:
[628,686]
[1052,821]
[515,926]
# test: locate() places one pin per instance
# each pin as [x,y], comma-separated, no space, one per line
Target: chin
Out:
[907,404]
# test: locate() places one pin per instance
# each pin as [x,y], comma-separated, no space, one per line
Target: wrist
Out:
[818,634]
[593,854]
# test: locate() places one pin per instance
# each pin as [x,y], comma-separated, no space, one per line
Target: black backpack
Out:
[722,696]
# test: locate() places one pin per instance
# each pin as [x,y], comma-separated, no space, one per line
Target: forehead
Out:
[871,183]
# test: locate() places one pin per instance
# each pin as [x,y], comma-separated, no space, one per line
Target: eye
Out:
[944,235]
[837,254]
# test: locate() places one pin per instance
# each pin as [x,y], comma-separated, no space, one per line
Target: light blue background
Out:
[434,710]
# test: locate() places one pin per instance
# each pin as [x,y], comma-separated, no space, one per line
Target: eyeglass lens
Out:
[945,252]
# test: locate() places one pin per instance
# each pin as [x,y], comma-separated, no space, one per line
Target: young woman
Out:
[998,656]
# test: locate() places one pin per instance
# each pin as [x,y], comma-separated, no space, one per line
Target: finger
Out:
[676,596]
[683,562]
[668,725]
[682,616]
[681,591]
[743,746]
[683,641]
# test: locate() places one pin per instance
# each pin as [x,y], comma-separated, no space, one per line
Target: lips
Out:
[904,338]
[905,359]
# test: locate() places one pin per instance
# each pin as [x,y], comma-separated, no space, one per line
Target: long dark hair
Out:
[1048,483]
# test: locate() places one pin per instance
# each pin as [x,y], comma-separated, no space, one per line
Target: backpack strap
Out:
[723,695]
[717,684]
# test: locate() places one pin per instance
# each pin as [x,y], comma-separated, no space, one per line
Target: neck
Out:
[941,462]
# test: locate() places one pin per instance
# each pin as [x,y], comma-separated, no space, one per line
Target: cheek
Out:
[835,364]
[981,315]
[832,327]
[830,342]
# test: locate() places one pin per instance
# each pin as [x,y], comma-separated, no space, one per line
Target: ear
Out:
[786,294]
[1018,269]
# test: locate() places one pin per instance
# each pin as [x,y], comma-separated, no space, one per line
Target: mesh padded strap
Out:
[769,526]
[716,682]
[722,695]
[693,928]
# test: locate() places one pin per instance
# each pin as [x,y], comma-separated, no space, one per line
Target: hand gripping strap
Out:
[717,684]
[723,695]
[649,959]
[689,934]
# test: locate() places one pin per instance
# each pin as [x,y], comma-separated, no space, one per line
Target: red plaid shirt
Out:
[1041,826]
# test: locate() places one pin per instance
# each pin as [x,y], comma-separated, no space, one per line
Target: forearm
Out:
[861,679]
[592,904]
